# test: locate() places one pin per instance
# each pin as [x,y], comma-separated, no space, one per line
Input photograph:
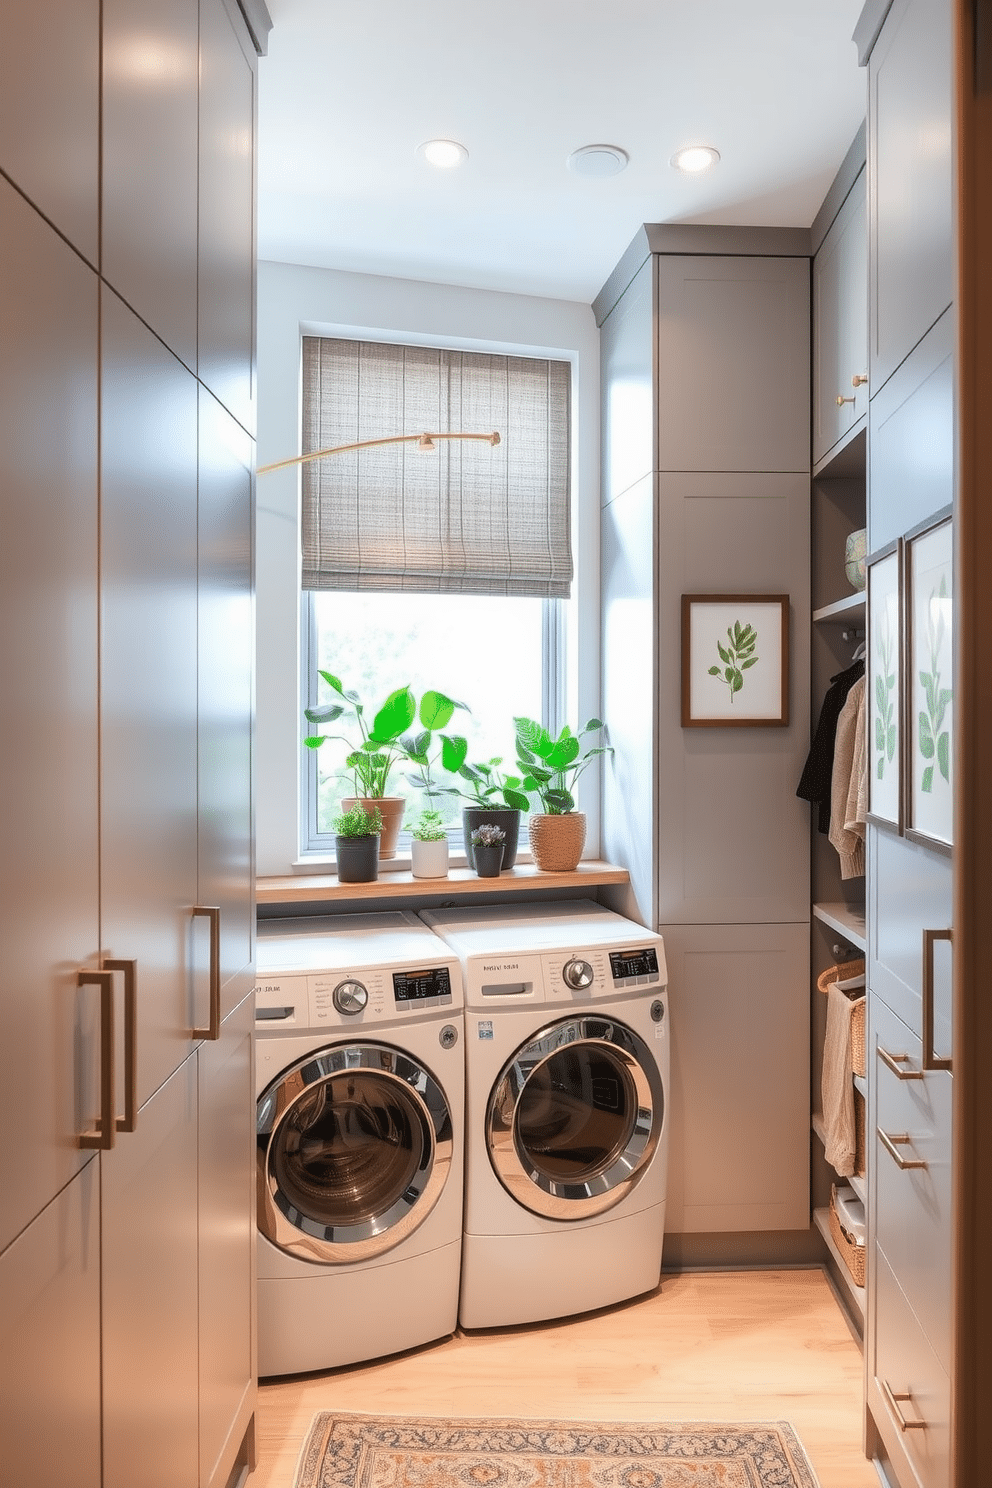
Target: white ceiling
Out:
[348,91]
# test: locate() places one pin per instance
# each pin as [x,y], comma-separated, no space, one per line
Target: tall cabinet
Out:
[127,440]
[907,45]
[706,492]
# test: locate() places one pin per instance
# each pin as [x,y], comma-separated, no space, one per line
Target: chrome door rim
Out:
[538,1192]
[302,1235]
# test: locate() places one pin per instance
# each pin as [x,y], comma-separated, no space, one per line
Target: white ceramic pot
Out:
[429,859]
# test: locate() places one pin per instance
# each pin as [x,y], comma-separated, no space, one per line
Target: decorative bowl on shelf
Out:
[855,552]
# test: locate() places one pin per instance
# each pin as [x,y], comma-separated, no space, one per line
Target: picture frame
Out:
[928,751]
[885,685]
[735,660]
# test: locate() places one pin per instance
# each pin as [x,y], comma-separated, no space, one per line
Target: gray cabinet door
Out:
[840,323]
[739,1136]
[48,659]
[50,1358]
[50,113]
[911,174]
[733,364]
[150,163]
[148,685]
[227,209]
[226,1239]
[149,1251]
[225,698]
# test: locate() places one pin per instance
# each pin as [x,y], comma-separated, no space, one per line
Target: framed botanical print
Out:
[884,682]
[735,660]
[929,744]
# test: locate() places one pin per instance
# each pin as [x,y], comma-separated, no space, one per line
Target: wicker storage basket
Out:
[847,971]
[852,1252]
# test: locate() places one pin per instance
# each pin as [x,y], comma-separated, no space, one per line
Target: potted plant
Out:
[429,849]
[552,768]
[488,843]
[494,799]
[356,844]
[376,748]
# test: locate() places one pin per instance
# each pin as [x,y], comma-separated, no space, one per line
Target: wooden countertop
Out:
[299,888]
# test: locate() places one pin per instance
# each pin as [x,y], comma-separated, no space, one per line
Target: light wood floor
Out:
[730,1346]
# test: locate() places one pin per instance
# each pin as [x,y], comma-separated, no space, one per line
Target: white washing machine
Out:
[360,1139]
[567,1071]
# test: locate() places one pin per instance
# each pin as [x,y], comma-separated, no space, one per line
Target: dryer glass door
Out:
[354,1147]
[574,1118]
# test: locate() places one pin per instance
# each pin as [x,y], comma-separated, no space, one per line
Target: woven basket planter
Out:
[556,842]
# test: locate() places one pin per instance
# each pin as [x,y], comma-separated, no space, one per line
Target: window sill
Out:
[319,888]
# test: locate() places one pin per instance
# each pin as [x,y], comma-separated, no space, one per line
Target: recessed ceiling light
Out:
[598,160]
[695,159]
[443,153]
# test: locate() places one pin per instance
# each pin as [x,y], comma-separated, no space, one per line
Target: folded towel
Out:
[836,1084]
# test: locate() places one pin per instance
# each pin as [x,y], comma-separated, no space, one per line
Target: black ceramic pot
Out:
[358,859]
[488,859]
[507,817]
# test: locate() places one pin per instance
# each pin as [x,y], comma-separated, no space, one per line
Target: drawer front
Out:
[912,1205]
[908,1379]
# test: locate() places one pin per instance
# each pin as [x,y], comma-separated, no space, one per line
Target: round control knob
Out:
[578,974]
[350,998]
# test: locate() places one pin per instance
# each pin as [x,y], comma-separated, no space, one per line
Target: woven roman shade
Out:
[466,518]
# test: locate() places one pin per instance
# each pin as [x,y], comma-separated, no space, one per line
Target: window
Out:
[443,571]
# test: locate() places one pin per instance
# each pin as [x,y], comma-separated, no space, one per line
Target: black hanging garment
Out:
[814,786]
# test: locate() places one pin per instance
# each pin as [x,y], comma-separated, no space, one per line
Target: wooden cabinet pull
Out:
[211,913]
[892,1143]
[893,1401]
[103,1137]
[129,1121]
[894,1062]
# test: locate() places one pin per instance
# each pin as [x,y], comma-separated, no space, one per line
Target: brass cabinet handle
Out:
[211,913]
[841,400]
[895,1061]
[892,1143]
[859,379]
[892,1400]
[930,1060]
[103,1137]
[129,1121]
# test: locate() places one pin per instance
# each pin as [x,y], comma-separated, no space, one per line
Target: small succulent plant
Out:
[488,835]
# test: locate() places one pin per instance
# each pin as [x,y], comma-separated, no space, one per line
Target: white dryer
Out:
[567,1070]
[359,1130]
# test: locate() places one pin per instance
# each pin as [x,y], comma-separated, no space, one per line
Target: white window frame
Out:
[554,670]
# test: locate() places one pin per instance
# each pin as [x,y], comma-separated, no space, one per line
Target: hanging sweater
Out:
[817,776]
[849,784]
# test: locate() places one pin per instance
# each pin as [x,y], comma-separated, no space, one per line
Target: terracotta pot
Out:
[429,859]
[557,841]
[357,859]
[507,817]
[391,810]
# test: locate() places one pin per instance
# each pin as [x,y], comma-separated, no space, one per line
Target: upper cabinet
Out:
[50,113]
[910,180]
[733,363]
[840,324]
[150,85]
[227,210]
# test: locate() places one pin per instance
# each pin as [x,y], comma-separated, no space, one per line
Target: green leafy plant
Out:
[376,748]
[359,821]
[429,827]
[885,686]
[551,767]
[935,740]
[487,785]
[737,656]
[488,835]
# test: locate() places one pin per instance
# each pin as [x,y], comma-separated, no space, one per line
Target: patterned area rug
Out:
[358,1451]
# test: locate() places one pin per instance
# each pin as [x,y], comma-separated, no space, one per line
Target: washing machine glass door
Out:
[574,1118]
[353,1148]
